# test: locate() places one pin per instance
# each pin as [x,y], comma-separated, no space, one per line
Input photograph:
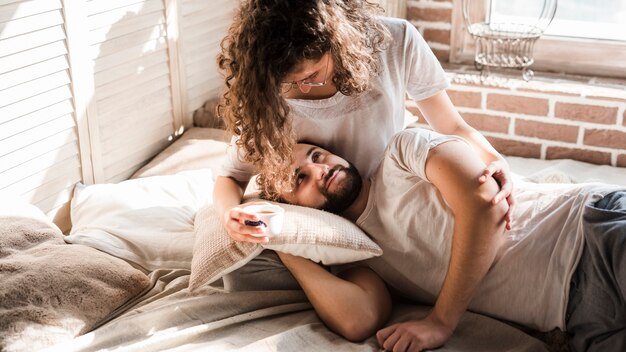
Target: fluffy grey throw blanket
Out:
[51,291]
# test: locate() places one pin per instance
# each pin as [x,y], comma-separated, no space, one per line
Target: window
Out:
[583,38]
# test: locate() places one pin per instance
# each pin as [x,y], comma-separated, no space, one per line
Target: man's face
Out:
[322,180]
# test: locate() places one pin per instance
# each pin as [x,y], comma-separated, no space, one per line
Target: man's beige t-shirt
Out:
[529,282]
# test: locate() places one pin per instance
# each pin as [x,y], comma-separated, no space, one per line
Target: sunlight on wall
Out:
[103,22]
[158,32]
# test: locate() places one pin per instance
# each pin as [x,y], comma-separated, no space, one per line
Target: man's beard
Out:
[345,195]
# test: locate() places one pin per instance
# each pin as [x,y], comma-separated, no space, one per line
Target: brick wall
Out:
[432,18]
[550,117]
[544,118]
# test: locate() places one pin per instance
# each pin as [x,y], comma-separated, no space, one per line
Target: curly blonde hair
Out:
[266,41]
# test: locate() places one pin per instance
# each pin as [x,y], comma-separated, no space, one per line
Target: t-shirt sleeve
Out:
[410,148]
[234,166]
[423,73]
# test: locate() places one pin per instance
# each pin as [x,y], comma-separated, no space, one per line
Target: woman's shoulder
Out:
[393,22]
[401,31]
[396,26]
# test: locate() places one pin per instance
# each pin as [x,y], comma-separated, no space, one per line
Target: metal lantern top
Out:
[505,31]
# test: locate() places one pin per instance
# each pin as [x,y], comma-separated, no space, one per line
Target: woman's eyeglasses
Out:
[285,87]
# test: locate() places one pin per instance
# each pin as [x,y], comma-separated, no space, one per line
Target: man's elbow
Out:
[357,328]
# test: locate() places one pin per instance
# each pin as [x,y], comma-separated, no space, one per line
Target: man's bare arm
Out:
[454,169]
[441,114]
[354,305]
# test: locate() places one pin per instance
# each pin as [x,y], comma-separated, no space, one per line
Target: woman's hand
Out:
[499,170]
[235,224]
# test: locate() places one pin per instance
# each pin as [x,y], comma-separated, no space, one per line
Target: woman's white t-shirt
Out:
[359,127]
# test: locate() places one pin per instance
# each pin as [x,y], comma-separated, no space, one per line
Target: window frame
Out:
[580,56]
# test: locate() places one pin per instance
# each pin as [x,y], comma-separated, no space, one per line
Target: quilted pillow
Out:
[314,234]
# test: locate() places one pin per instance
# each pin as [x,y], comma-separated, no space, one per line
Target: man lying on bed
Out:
[444,243]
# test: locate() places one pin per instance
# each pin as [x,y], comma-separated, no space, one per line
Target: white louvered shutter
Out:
[90,90]
[39,150]
[204,24]
[131,115]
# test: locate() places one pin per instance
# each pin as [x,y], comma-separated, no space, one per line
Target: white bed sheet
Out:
[565,170]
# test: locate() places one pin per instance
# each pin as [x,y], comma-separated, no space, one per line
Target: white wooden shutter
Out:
[203,25]
[131,116]
[39,150]
[90,90]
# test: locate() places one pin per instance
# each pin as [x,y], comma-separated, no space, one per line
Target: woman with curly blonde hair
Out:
[257,54]
[331,72]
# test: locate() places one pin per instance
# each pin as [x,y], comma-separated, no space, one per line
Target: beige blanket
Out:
[51,291]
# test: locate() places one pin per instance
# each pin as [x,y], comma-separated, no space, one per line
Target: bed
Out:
[113,287]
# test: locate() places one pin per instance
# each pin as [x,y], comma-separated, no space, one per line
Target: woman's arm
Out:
[354,305]
[227,197]
[478,227]
[443,117]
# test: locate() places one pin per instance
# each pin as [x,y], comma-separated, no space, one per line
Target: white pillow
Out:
[315,234]
[148,221]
